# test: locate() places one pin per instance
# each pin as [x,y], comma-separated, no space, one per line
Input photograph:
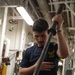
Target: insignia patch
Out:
[51,54]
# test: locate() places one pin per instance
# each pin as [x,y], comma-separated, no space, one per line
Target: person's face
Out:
[40,37]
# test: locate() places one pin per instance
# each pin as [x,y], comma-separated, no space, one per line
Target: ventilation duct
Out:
[45,10]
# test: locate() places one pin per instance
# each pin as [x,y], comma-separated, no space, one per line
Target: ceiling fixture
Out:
[25,15]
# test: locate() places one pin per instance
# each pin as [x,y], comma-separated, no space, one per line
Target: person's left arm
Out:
[63,49]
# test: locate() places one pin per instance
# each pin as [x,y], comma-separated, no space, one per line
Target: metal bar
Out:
[10,6]
[3,32]
[56,11]
[71,28]
[15,50]
[12,54]
[72,17]
[33,6]
[51,6]
[70,9]
[15,17]
[43,55]
[68,18]
[62,2]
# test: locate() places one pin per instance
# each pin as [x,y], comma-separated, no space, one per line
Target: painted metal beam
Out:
[3,32]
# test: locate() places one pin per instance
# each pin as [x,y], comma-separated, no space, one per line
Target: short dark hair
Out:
[40,25]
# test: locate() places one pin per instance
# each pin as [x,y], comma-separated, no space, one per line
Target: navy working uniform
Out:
[33,53]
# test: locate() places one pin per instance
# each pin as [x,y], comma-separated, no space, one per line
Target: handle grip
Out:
[55,23]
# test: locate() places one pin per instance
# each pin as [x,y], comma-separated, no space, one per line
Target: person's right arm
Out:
[24,69]
[46,66]
[27,71]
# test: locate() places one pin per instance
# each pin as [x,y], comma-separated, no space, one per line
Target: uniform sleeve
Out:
[25,59]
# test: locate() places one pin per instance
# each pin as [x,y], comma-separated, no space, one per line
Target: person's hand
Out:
[47,66]
[59,19]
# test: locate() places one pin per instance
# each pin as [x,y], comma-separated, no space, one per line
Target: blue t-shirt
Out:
[33,53]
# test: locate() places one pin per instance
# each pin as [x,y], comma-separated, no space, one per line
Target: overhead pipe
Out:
[45,10]
[55,5]
[34,9]
[51,5]
[61,2]
[70,9]
[68,18]
[12,6]
[72,16]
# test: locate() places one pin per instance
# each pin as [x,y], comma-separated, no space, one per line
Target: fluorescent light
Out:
[25,15]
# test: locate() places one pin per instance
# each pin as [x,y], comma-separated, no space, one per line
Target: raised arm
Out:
[63,49]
